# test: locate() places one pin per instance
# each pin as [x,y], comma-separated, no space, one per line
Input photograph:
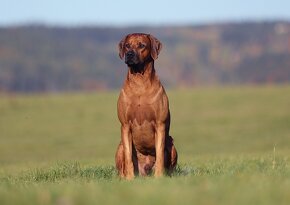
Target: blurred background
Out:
[225,65]
[56,46]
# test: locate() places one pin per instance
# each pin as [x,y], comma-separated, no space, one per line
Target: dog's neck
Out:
[141,74]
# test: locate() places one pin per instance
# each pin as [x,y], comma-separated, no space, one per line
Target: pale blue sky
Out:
[136,12]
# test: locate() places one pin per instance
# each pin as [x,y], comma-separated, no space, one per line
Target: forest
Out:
[45,58]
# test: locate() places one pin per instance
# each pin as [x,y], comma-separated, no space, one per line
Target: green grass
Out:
[233,146]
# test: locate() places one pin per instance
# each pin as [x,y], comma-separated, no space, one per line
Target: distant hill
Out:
[37,58]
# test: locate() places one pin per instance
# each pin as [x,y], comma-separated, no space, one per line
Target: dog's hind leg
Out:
[170,156]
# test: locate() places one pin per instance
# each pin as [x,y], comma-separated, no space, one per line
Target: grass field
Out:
[233,145]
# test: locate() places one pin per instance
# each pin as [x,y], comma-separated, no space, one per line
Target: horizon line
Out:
[142,24]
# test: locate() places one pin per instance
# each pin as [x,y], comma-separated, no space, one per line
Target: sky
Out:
[139,12]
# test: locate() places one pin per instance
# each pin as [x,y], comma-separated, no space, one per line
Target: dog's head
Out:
[137,48]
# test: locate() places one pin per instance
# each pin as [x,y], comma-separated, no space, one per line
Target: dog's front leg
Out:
[159,146]
[127,143]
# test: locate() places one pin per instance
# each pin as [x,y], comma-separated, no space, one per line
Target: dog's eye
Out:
[127,45]
[141,45]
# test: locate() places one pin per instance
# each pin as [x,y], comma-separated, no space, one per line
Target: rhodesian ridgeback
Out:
[143,111]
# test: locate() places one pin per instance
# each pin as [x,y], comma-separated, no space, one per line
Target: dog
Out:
[143,111]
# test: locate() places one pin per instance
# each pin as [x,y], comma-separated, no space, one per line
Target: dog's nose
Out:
[130,54]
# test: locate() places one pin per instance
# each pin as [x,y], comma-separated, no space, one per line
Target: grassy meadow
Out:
[233,145]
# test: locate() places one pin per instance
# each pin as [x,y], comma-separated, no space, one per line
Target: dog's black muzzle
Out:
[130,58]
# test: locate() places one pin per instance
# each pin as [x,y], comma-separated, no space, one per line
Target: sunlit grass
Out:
[233,146]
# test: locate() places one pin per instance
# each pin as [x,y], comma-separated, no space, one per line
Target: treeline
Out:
[39,58]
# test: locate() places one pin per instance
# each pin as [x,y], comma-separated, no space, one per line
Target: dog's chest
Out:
[140,110]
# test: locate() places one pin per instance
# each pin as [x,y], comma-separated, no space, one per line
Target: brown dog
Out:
[143,111]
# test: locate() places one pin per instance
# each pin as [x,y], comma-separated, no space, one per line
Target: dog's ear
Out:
[156,47]
[122,47]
